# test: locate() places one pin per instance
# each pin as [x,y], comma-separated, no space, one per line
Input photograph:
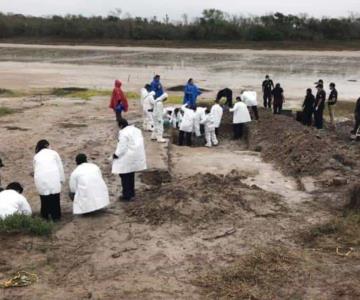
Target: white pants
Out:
[148,123]
[210,137]
[158,130]
[197,129]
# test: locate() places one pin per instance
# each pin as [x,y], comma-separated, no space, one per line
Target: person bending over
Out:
[88,187]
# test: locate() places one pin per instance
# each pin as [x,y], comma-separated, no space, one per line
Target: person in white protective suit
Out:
[147,100]
[48,176]
[199,115]
[158,116]
[176,118]
[88,187]
[12,201]
[250,99]
[217,113]
[208,121]
[241,116]
[187,125]
[129,157]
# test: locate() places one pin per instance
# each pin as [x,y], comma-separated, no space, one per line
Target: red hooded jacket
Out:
[118,96]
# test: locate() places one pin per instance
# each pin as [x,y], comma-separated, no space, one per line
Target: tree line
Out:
[213,25]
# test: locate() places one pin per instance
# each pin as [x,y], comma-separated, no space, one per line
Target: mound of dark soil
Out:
[300,150]
[203,199]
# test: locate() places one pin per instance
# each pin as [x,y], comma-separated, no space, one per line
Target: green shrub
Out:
[5,111]
[26,224]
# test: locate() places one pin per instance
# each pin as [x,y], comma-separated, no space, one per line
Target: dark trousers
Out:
[307,117]
[128,185]
[50,207]
[319,120]
[238,130]
[217,131]
[278,107]
[255,112]
[118,116]
[267,100]
[357,125]
[184,137]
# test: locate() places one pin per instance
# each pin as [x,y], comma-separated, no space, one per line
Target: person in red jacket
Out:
[119,102]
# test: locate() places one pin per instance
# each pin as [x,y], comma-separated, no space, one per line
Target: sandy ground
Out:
[155,247]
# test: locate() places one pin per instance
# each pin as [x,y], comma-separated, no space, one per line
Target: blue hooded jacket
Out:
[156,87]
[191,93]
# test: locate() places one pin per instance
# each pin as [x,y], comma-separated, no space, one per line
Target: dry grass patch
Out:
[264,274]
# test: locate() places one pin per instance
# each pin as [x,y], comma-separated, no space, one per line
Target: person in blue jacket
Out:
[157,87]
[191,93]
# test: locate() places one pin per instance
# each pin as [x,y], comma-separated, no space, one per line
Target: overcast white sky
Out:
[175,8]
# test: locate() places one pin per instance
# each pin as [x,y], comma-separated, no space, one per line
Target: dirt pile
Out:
[203,199]
[300,150]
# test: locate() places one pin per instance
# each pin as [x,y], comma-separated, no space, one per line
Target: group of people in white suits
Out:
[88,190]
[188,119]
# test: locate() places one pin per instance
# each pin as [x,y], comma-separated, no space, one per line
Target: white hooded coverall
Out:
[210,135]
[158,116]
[147,100]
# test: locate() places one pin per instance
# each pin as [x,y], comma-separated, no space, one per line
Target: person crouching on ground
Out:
[187,125]
[88,187]
[241,117]
[217,113]
[48,175]
[147,100]
[209,124]
[119,102]
[129,157]
[12,201]
[158,116]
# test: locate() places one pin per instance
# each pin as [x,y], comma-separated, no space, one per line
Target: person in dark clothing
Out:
[357,117]
[267,87]
[319,106]
[1,166]
[185,138]
[308,108]
[278,94]
[333,97]
[228,94]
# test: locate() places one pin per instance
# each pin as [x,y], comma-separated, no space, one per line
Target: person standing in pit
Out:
[157,87]
[241,116]
[279,99]
[308,108]
[267,87]
[119,102]
[319,106]
[333,97]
